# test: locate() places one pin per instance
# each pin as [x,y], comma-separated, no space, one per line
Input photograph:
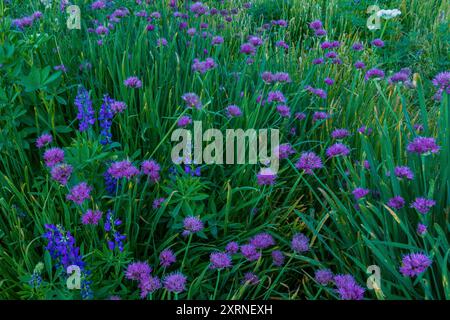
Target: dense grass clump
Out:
[87,178]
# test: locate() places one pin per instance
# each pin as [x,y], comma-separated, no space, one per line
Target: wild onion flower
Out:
[233,111]
[250,252]
[365,130]
[123,169]
[167,258]
[320,33]
[86,114]
[61,173]
[91,217]
[421,229]
[283,151]
[442,82]
[157,203]
[378,43]
[217,40]
[203,66]
[299,115]
[316,25]
[396,202]
[284,111]
[414,264]
[199,8]
[359,65]
[308,162]
[337,150]
[192,100]
[331,55]
[282,44]
[359,193]
[262,241]
[358,46]
[105,119]
[110,183]
[114,237]
[53,156]
[401,77]
[61,246]
[404,172]
[43,140]
[423,145]
[184,121]
[175,282]
[317,91]
[423,205]
[149,285]
[266,176]
[133,82]
[250,278]
[347,288]
[79,193]
[275,96]
[220,260]
[118,106]
[97,5]
[340,134]
[151,169]
[192,225]
[300,243]
[101,30]
[318,61]
[232,247]
[374,74]
[138,271]
[323,276]
[248,49]
[277,258]
[328,81]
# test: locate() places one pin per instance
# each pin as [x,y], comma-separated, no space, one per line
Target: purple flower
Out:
[167,258]
[331,55]
[318,61]
[151,168]
[396,202]
[320,33]
[317,91]
[359,193]
[266,176]
[192,224]
[275,96]
[43,140]
[250,252]
[123,169]
[365,130]
[158,202]
[248,49]
[423,145]
[329,81]
[336,150]
[284,111]
[404,172]
[283,151]
[91,217]
[319,115]
[101,30]
[401,77]
[203,66]
[262,241]
[233,111]
[423,205]
[323,276]
[308,162]
[255,41]
[374,74]
[86,114]
[191,100]
[133,82]
[105,118]
[316,25]
[282,44]
[340,134]
[96,5]
[250,278]
[347,288]
[232,247]
[118,106]
[138,271]
[61,173]
[359,65]
[53,156]
[414,264]
[278,258]
[282,77]
[421,229]
[79,193]
[378,43]
[184,121]
[148,285]
[217,40]
[220,260]
[175,282]
[114,237]
[299,115]
[357,46]
[300,243]
[442,82]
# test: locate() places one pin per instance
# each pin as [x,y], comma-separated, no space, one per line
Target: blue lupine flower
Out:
[105,118]
[86,114]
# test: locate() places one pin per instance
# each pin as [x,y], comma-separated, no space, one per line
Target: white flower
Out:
[388,14]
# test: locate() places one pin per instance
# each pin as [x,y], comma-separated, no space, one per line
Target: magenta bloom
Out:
[340,134]
[423,205]
[101,30]
[374,74]
[91,217]
[118,106]
[132,82]
[123,169]
[61,173]
[266,176]
[151,168]
[53,156]
[300,243]
[250,252]
[347,288]
[421,229]
[308,162]
[396,202]
[43,140]
[262,241]
[79,193]
[378,43]
[138,271]
[414,264]
[365,130]
[232,247]
[149,284]
[192,100]
[323,276]
[316,25]
[404,172]
[220,260]
[358,46]
[192,225]
[250,278]
[275,96]
[284,111]
[248,49]
[337,150]
[359,193]
[283,151]
[96,5]
[277,258]
[184,121]
[203,66]
[167,258]
[175,282]
[359,65]
[233,111]
[423,145]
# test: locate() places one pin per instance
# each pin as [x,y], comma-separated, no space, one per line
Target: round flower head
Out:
[220,260]
[404,172]
[192,225]
[151,168]
[421,229]
[378,43]
[250,278]
[359,193]
[275,96]
[262,241]
[319,115]
[278,258]
[123,169]
[396,202]
[43,140]
[157,203]
[374,74]
[148,285]
[192,100]
[53,156]
[248,49]
[250,252]
[233,111]
[323,276]
[132,82]
[316,25]
[308,162]
[91,217]
[138,271]
[167,258]
[284,111]
[358,46]
[175,282]
[184,121]
[423,205]
[336,150]
[232,247]
[423,145]
[266,176]
[414,264]
[79,193]
[61,173]
[118,106]
[340,134]
[359,65]
[283,151]
[347,288]
[300,243]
